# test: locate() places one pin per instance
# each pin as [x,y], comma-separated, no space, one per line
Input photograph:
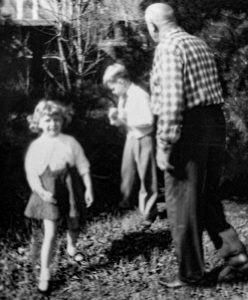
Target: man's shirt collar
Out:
[165,34]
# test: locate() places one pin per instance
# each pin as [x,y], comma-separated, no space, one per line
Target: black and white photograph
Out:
[124,149]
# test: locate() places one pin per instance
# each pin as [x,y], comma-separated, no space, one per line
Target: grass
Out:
[121,262]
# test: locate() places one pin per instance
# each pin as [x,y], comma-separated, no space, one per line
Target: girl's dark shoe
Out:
[77,256]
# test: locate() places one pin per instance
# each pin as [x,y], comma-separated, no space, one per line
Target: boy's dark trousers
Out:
[191,191]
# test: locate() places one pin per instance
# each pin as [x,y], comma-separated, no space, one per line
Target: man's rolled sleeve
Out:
[172,104]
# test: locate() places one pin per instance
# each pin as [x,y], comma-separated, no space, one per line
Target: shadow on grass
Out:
[139,243]
[133,245]
[70,272]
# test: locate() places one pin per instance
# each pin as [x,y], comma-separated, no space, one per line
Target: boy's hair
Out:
[114,72]
[145,3]
[50,108]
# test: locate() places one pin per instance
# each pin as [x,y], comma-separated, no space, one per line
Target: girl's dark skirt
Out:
[67,187]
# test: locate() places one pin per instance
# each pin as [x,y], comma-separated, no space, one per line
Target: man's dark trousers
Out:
[191,191]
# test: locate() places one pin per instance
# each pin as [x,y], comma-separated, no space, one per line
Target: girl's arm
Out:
[33,177]
[36,186]
[83,166]
[45,195]
[89,197]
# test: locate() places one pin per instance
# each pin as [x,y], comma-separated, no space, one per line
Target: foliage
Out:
[77,43]
[223,25]
[121,262]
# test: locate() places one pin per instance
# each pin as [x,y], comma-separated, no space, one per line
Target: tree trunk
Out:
[63,59]
[78,46]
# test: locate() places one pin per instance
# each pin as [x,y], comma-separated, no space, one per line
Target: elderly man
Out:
[187,98]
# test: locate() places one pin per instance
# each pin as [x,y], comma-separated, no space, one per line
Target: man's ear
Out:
[154,27]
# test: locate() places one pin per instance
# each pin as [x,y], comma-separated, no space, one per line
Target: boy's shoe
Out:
[124,204]
[146,224]
[148,220]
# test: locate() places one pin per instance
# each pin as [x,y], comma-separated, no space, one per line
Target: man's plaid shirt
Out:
[183,76]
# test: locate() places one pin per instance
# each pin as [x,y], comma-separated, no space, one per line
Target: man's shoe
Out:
[234,266]
[239,262]
[176,283]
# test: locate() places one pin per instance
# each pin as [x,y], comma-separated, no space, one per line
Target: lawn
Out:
[121,262]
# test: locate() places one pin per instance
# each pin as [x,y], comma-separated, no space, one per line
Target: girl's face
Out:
[51,125]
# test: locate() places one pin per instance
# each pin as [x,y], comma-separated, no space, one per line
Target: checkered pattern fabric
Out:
[183,76]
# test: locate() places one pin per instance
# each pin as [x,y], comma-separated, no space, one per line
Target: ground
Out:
[121,262]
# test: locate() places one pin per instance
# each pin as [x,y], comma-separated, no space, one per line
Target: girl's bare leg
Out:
[50,229]
[72,235]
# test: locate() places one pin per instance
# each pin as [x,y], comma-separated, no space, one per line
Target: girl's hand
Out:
[89,199]
[47,196]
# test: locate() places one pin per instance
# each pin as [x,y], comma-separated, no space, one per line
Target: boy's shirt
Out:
[135,111]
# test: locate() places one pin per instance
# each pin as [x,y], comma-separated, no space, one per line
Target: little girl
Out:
[53,164]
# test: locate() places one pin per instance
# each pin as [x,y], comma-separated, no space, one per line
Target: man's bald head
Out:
[160,14]
[159,17]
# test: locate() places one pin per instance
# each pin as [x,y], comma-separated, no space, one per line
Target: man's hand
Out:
[162,158]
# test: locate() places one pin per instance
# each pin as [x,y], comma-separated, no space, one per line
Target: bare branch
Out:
[51,76]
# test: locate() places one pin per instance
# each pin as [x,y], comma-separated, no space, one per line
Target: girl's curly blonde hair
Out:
[50,108]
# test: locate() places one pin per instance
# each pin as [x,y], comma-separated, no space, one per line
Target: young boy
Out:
[138,157]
